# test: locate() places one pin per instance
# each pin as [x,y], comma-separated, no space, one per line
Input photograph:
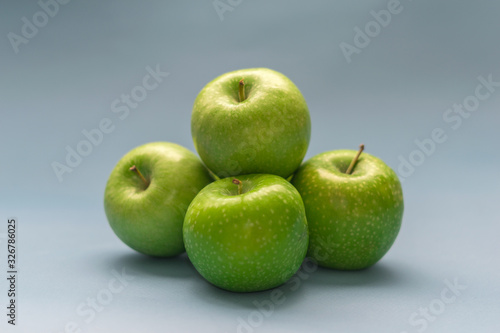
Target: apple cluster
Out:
[250,211]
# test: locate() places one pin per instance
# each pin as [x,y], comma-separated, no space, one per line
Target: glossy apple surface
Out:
[267,132]
[148,216]
[246,242]
[353,218]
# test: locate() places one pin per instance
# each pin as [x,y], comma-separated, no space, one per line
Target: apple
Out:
[148,193]
[246,234]
[251,121]
[354,208]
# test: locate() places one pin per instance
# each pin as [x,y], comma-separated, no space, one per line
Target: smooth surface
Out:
[265,131]
[148,214]
[396,90]
[249,241]
[354,216]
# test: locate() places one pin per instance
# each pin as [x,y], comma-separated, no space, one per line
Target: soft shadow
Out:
[285,295]
[175,267]
[308,278]
[219,297]
[379,275]
[180,267]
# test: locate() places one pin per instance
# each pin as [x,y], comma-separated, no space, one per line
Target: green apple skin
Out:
[268,132]
[353,219]
[247,242]
[149,220]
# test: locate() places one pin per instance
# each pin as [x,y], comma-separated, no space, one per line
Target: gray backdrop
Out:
[417,81]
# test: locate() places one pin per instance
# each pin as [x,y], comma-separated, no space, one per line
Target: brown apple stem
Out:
[355,159]
[134,168]
[241,91]
[239,183]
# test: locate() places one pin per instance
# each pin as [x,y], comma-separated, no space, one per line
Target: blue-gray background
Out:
[394,91]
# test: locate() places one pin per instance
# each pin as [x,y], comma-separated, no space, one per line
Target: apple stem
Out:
[239,183]
[241,91]
[213,175]
[134,168]
[355,159]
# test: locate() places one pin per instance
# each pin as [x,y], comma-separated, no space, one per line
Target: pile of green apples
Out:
[249,211]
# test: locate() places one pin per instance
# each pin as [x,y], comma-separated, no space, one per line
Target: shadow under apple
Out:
[283,296]
[381,275]
[309,276]
[376,275]
[173,267]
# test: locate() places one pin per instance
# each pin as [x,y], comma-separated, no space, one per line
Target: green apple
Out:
[148,193]
[251,121]
[247,234]
[354,208]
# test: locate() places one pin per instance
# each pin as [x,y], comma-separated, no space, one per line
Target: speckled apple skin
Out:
[150,220]
[353,219]
[249,242]
[268,132]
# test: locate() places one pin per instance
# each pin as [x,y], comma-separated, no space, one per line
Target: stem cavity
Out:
[134,168]
[355,159]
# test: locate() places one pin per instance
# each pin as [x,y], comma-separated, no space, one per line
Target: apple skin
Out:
[268,132]
[149,220]
[353,219]
[249,242]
